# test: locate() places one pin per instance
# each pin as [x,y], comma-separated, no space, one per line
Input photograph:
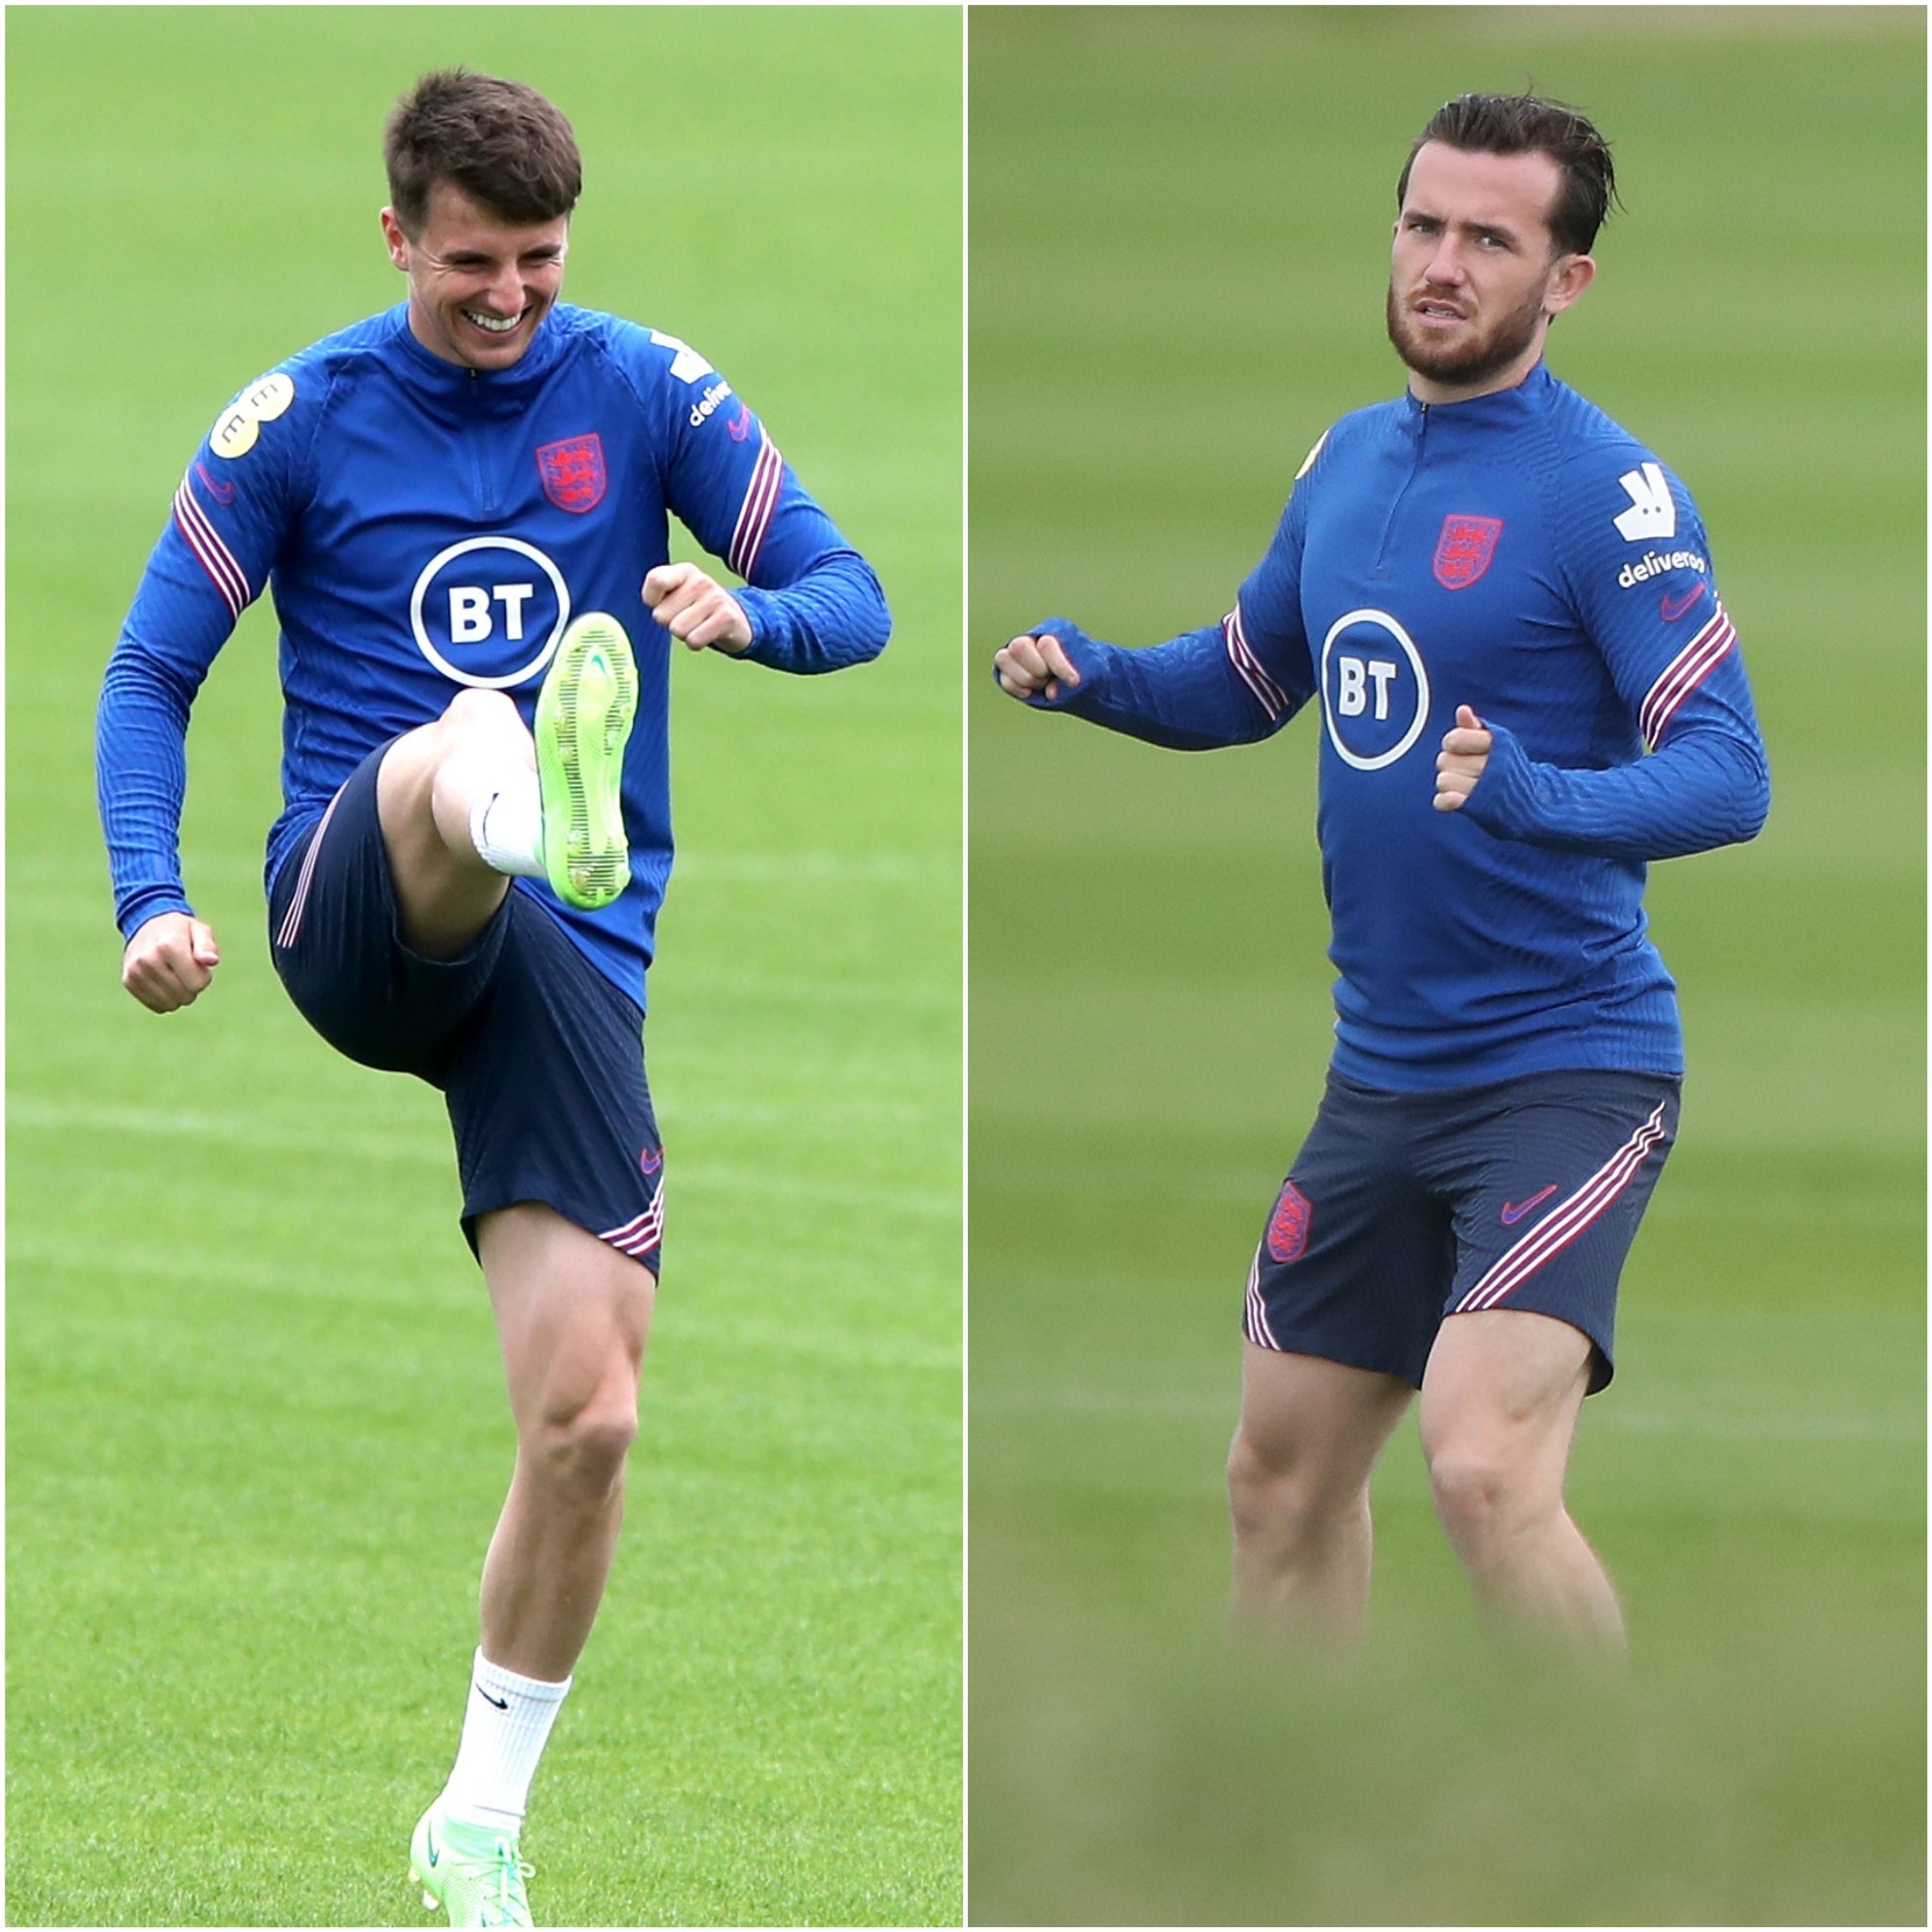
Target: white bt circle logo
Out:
[488,611]
[1374,691]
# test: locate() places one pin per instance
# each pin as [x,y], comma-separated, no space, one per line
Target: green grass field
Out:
[1178,248]
[256,1435]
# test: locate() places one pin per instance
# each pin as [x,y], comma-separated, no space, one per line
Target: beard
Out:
[1480,354]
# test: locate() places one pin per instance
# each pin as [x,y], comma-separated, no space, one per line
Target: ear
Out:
[396,242]
[1572,275]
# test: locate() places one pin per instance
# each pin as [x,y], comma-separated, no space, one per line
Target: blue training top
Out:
[1520,553]
[425,527]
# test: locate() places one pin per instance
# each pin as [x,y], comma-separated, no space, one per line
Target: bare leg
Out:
[1299,1489]
[1499,1403]
[572,1315]
[445,892]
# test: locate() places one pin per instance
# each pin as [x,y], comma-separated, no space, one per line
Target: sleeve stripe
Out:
[755,514]
[216,559]
[1268,694]
[1685,673]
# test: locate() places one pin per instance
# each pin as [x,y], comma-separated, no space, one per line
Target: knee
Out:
[472,723]
[1277,1498]
[581,1443]
[1252,1481]
[1478,1497]
[474,709]
[429,767]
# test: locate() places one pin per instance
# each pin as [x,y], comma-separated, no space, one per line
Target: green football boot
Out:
[584,710]
[469,1871]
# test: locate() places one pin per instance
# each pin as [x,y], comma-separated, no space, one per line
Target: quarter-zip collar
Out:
[450,386]
[1501,410]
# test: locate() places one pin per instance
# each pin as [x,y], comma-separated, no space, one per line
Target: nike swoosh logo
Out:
[502,1703]
[222,492]
[1512,1216]
[1671,609]
[429,1838]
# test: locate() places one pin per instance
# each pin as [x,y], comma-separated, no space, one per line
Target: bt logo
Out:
[488,611]
[1375,690]
[1354,677]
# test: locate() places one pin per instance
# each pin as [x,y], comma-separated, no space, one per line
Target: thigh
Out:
[1357,1254]
[573,1314]
[1548,1178]
[335,942]
[1501,1395]
[548,1095]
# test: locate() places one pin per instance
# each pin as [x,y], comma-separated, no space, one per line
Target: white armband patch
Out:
[239,425]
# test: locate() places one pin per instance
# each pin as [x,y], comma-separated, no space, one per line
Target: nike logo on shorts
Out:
[1513,1214]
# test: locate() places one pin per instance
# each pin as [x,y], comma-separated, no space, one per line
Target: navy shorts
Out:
[1402,1208]
[539,1057]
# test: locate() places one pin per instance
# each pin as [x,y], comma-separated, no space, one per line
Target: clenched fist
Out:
[696,610]
[169,961]
[1031,665]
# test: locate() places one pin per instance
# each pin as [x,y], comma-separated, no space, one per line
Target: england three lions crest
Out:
[1288,1226]
[573,473]
[1464,550]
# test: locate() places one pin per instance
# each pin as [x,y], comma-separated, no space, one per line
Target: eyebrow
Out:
[465,257]
[1495,229]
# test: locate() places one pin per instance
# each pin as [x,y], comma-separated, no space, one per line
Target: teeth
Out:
[496,324]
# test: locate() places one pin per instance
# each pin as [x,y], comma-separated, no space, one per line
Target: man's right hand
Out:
[1033,666]
[169,961]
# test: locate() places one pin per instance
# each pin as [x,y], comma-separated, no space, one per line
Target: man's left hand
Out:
[696,610]
[1460,763]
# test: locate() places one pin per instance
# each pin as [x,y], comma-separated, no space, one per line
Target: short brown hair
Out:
[501,142]
[1526,124]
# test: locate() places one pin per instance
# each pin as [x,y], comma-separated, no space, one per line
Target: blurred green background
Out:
[1179,249]
[256,1433]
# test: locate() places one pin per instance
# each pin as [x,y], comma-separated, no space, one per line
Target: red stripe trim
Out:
[292,921]
[1683,673]
[754,513]
[1567,1220]
[642,1232]
[1256,1324]
[214,555]
[1268,694]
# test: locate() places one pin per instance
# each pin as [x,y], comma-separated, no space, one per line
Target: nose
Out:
[506,290]
[1445,264]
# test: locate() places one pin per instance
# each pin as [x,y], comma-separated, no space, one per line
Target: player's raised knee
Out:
[473,710]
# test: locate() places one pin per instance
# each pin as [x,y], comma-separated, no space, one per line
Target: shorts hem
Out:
[1340,1354]
[592,1222]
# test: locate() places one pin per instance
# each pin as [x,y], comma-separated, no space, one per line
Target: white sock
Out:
[506,823]
[504,1730]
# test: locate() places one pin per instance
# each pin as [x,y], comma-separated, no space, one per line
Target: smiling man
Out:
[449,500]
[1529,689]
